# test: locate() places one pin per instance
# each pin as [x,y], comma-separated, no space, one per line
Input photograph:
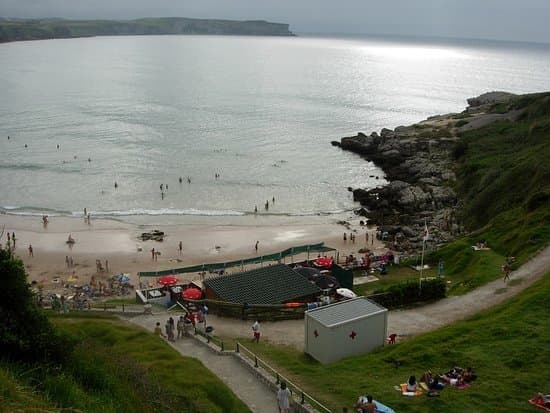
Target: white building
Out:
[345,328]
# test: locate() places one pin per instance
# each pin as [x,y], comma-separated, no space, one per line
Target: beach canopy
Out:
[324,262]
[192,294]
[345,292]
[167,280]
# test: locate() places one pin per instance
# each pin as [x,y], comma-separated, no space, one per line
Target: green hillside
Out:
[115,367]
[93,363]
[14,30]
[503,177]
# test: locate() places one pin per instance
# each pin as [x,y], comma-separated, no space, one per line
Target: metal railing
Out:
[210,338]
[303,397]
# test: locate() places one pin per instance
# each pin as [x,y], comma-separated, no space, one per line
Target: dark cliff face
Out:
[14,30]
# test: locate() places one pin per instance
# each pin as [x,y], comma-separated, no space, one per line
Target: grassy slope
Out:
[508,347]
[117,367]
[503,179]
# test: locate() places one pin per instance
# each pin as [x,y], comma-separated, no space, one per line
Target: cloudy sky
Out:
[487,19]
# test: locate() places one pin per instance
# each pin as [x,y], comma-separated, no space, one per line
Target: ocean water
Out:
[259,111]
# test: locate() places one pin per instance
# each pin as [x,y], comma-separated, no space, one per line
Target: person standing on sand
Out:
[116,185]
[180,247]
[345,237]
[31,253]
[256,330]
[256,246]
[153,254]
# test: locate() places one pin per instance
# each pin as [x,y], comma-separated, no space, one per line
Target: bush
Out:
[459,150]
[410,292]
[26,334]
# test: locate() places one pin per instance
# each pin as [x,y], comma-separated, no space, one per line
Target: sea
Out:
[241,120]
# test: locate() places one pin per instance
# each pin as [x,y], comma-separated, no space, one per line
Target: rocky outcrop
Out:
[418,162]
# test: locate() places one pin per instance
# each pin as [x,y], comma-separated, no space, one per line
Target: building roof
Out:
[345,311]
[275,284]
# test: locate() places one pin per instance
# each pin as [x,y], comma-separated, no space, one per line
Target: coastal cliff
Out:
[430,183]
[15,30]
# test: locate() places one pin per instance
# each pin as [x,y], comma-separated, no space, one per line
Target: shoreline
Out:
[117,242]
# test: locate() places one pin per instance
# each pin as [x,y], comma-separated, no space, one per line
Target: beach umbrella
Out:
[345,292]
[167,280]
[324,262]
[308,272]
[123,278]
[192,294]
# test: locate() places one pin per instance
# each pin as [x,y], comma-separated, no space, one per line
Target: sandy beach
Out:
[204,240]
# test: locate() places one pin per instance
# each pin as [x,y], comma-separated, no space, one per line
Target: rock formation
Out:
[418,161]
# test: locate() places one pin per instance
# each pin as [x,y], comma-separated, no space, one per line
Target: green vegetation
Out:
[93,362]
[504,179]
[116,367]
[14,30]
[508,347]
[410,292]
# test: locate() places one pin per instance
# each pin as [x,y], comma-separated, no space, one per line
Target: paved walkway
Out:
[257,396]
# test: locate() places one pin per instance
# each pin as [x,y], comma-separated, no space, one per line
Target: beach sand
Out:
[117,242]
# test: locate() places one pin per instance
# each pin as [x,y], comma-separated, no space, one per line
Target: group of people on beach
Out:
[11,241]
[266,205]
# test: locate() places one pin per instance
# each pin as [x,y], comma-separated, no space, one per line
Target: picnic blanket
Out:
[381,408]
[404,392]
[534,402]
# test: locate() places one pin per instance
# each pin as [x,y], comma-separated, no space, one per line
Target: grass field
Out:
[116,368]
[508,347]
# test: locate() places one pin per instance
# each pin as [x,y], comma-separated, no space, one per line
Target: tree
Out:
[26,333]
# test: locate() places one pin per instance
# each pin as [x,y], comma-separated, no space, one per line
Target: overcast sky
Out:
[527,20]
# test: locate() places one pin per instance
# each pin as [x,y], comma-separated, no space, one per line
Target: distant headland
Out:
[12,30]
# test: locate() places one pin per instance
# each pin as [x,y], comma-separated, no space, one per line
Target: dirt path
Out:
[411,321]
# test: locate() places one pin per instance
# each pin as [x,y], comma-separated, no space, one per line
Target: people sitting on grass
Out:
[412,385]
[433,381]
[542,400]
[365,405]
[459,377]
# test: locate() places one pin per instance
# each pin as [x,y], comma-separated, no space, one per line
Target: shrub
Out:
[410,292]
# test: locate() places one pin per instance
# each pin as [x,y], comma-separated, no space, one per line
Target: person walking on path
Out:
[158,331]
[181,327]
[283,398]
[256,330]
[180,247]
[507,269]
